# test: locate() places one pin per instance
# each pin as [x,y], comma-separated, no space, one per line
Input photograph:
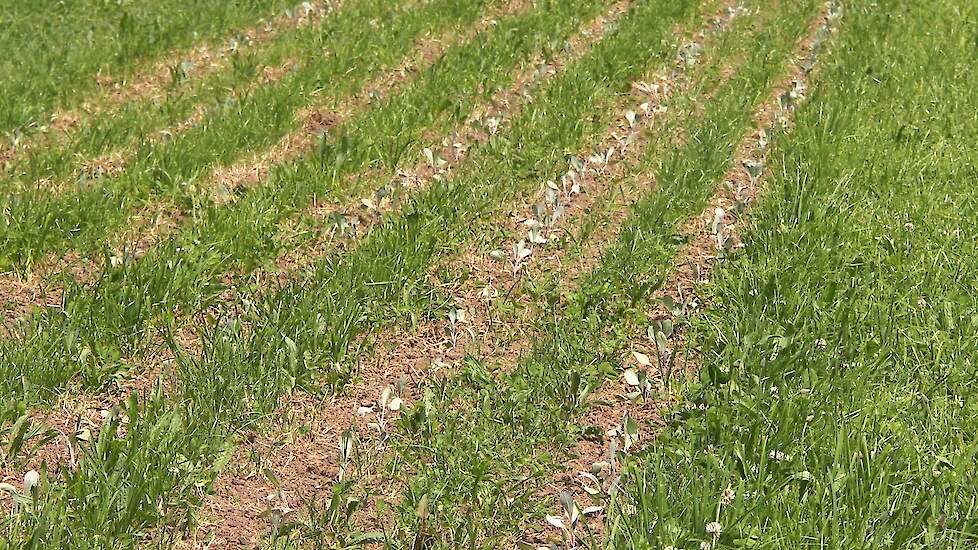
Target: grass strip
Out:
[99,140]
[54,50]
[838,378]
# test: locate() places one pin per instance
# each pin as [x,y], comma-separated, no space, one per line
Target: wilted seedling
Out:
[439,364]
[31,490]
[631,117]
[520,253]
[734,11]
[558,211]
[646,88]
[629,432]
[600,158]
[690,53]
[434,159]
[678,310]
[535,234]
[346,452]
[716,226]
[456,317]
[577,164]
[570,184]
[754,168]
[631,377]
[571,515]
[343,225]
[742,199]
[492,124]
[790,99]
[638,378]
[541,70]
[278,512]
[550,194]
[659,332]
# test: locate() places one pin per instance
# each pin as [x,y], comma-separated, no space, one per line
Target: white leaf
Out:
[631,377]
[642,358]
[588,476]
[590,510]
[556,521]
[395,404]
[717,225]
[31,480]
[591,490]
[536,237]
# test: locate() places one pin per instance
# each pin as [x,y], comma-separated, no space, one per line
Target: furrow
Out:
[492,276]
[300,461]
[36,224]
[541,25]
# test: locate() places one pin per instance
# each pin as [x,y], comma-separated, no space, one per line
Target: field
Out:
[419,274]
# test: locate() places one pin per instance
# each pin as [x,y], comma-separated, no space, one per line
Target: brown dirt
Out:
[42,287]
[481,333]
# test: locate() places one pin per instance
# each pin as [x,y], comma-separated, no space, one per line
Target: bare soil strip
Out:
[201,60]
[493,276]
[111,164]
[308,464]
[693,265]
[239,523]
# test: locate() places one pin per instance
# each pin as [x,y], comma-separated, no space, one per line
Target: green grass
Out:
[57,164]
[840,336]
[35,222]
[115,314]
[54,49]
[835,395]
[230,382]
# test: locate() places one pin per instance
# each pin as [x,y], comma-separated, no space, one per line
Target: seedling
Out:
[520,253]
[456,318]
[434,159]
